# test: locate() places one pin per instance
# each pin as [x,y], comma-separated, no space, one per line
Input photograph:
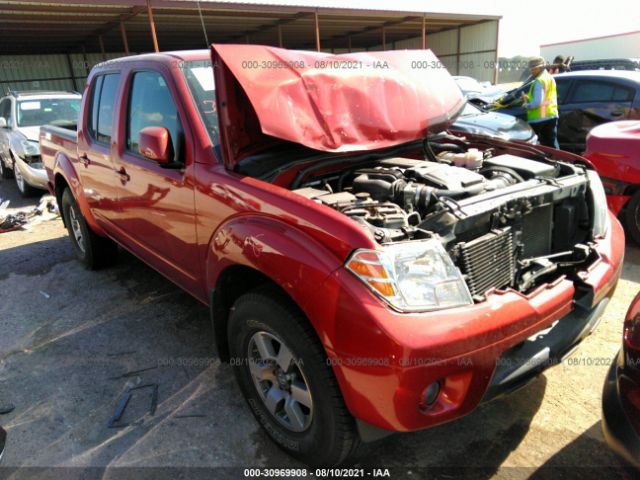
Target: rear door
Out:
[156,214]
[96,143]
[591,102]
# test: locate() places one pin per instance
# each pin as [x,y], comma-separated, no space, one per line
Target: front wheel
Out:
[632,217]
[25,189]
[92,250]
[284,375]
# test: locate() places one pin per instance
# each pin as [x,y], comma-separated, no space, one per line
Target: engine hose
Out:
[447,147]
[428,152]
[506,170]
[459,193]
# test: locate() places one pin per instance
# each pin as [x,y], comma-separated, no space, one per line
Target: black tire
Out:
[92,250]
[5,172]
[632,217]
[331,436]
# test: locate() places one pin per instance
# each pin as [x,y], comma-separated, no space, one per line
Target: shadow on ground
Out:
[577,460]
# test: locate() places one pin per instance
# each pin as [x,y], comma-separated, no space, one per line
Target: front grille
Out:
[488,261]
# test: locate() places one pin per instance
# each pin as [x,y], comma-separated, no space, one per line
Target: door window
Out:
[589,91]
[103,103]
[562,88]
[151,105]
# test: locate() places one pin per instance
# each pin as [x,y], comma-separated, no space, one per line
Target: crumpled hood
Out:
[30,133]
[332,103]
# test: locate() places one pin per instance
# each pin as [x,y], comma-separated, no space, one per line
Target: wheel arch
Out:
[65,176]
[252,251]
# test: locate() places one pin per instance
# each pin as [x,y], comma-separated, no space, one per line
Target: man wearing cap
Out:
[542,104]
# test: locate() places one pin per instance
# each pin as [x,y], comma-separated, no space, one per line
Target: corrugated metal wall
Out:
[476,55]
[48,72]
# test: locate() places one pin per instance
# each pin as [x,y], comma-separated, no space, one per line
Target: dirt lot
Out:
[72,341]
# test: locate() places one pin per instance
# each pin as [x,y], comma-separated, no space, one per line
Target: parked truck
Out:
[368,270]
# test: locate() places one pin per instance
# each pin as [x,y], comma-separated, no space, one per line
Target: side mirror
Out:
[3,122]
[155,144]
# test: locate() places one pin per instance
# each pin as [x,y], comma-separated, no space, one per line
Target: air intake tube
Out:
[391,186]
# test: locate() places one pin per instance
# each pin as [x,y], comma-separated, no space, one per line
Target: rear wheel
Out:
[632,217]
[284,375]
[92,250]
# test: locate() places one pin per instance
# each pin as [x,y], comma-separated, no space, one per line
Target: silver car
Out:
[21,116]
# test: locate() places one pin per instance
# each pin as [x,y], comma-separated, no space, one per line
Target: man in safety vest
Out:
[541,104]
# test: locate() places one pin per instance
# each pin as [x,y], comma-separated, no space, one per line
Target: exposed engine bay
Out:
[505,220]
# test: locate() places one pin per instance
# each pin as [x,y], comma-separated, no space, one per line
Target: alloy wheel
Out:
[76,228]
[19,178]
[280,381]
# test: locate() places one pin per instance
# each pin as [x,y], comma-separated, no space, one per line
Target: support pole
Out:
[349,40]
[73,77]
[85,62]
[152,25]
[280,43]
[102,50]
[384,38]
[424,31]
[125,42]
[317,20]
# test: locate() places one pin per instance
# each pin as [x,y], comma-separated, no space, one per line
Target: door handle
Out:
[85,160]
[124,176]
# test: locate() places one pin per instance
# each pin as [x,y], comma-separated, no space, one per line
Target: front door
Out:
[96,144]
[156,214]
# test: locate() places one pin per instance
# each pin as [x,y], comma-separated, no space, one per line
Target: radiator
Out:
[488,261]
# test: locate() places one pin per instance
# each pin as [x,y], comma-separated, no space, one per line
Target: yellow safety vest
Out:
[548,108]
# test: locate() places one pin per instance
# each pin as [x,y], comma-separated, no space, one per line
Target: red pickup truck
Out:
[368,270]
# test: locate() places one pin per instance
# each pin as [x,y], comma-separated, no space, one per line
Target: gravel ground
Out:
[72,341]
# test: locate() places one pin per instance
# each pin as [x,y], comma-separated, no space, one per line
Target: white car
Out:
[479,93]
[21,116]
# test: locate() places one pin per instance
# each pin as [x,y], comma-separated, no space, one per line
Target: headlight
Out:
[412,276]
[27,148]
[601,221]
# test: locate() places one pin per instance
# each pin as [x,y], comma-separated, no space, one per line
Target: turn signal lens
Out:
[368,267]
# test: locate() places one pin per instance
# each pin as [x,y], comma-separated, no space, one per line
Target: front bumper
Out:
[385,360]
[616,425]
[36,177]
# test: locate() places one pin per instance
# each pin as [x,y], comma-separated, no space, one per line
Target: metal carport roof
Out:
[64,26]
